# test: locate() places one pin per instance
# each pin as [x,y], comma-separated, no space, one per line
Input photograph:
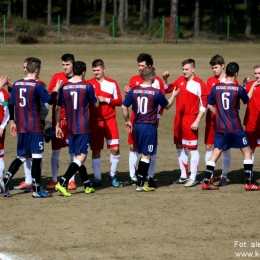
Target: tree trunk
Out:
[49,13]
[197,19]
[68,14]
[151,11]
[219,6]
[103,13]
[115,8]
[145,15]
[9,9]
[173,14]
[25,9]
[95,8]
[121,16]
[141,11]
[126,13]
[249,15]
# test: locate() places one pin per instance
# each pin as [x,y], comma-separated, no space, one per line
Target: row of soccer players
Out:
[103,122]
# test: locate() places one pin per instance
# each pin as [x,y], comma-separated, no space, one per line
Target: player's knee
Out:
[115,151]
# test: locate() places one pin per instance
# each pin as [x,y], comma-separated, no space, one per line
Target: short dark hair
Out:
[231,69]
[98,62]
[217,60]
[145,57]
[33,64]
[79,67]
[68,57]
[188,61]
[147,72]
[30,58]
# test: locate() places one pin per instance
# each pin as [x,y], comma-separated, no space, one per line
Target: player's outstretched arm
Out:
[3,81]
[165,77]
[13,129]
[255,84]
[212,109]
[59,133]
[245,81]
[128,124]
[175,93]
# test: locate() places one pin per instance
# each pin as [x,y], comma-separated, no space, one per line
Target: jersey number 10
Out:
[142,103]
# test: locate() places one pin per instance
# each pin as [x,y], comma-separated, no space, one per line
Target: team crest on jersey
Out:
[181,84]
[137,83]
[150,148]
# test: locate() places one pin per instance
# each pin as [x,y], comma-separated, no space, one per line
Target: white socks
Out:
[226,158]
[194,162]
[133,157]
[55,163]
[152,166]
[114,160]
[28,171]
[208,155]
[183,162]
[96,166]
[2,168]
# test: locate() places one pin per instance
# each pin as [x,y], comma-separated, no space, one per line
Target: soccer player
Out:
[103,122]
[76,96]
[25,101]
[143,60]
[190,108]
[4,118]
[252,114]
[58,143]
[27,183]
[229,132]
[145,100]
[217,64]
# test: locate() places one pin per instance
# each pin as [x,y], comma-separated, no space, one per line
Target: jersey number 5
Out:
[22,97]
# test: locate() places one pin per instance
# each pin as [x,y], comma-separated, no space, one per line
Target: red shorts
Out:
[104,129]
[58,143]
[131,136]
[2,145]
[253,137]
[210,128]
[209,133]
[182,132]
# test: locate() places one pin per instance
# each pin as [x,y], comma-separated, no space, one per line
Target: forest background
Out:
[90,21]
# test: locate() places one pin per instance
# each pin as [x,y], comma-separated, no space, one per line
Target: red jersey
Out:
[110,90]
[54,79]
[192,97]
[158,84]
[4,111]
[252,119]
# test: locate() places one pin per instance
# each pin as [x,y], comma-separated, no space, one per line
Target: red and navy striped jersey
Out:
[76,97]
[145,100]
[225,97]
[26,96]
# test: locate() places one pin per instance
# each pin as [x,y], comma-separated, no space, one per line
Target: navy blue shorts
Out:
[79,143]
[145,138]
[29,143]
[224,141]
